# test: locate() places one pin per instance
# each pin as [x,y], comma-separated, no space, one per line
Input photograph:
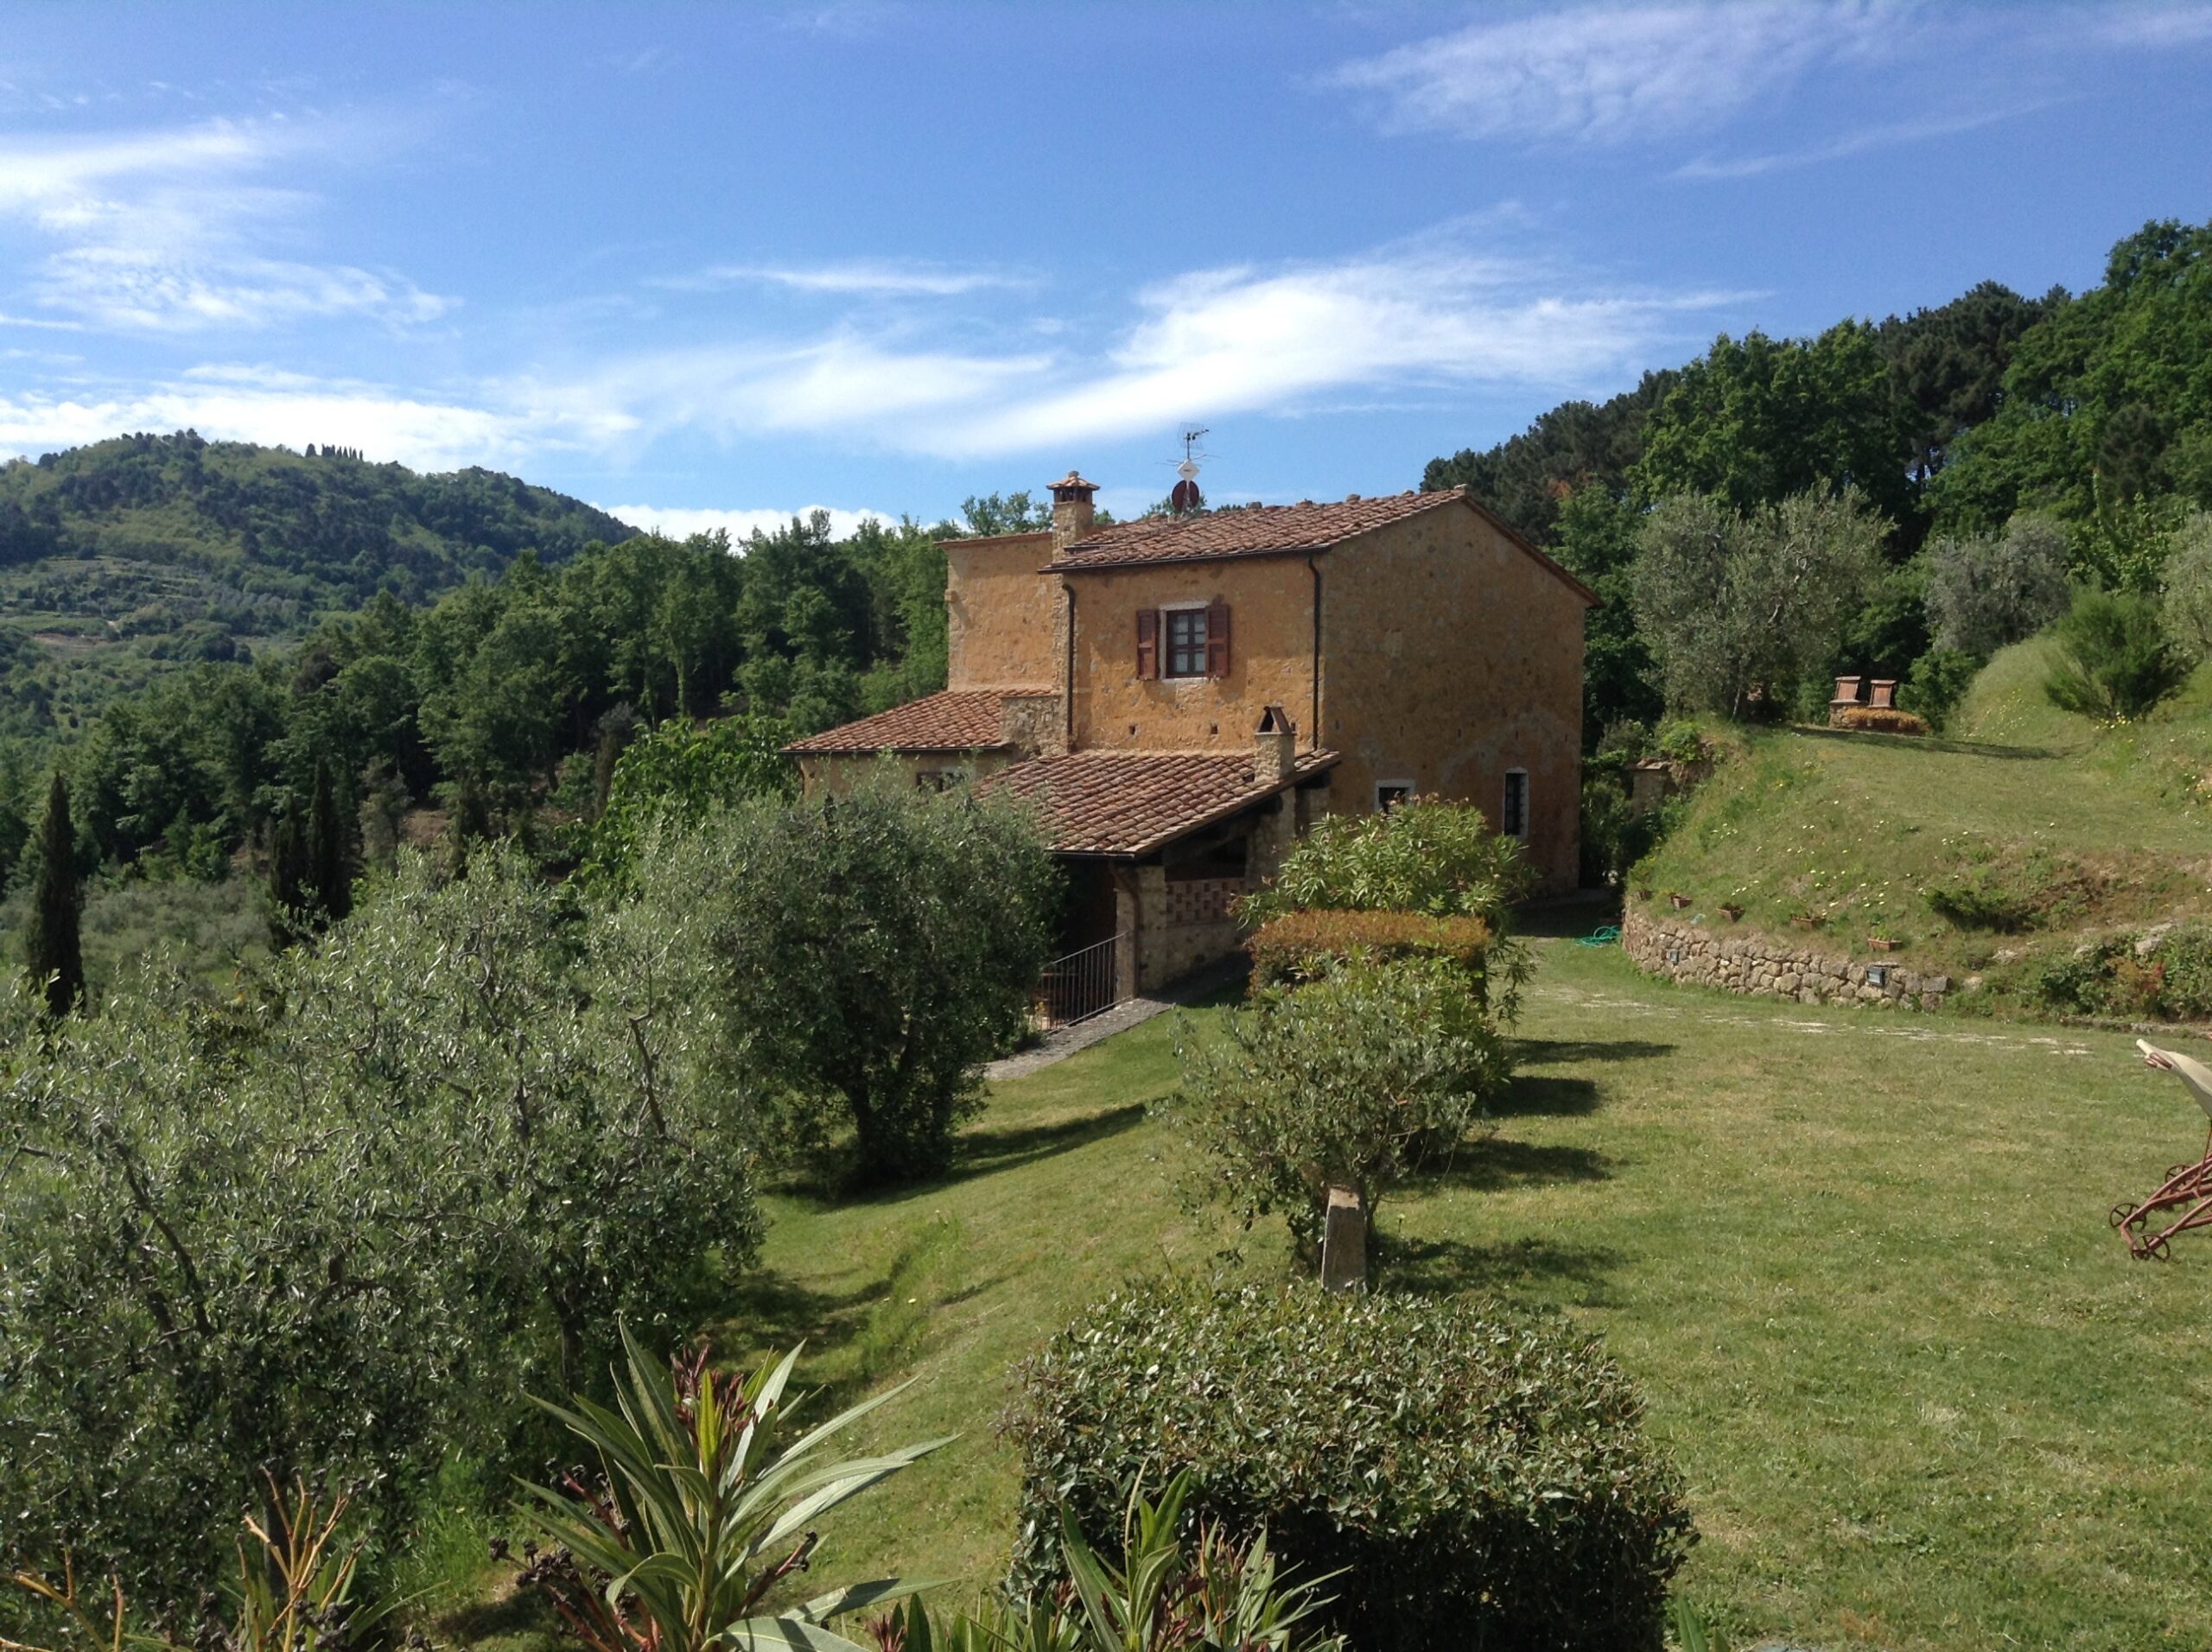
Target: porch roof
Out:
[1132,802]
[953,720]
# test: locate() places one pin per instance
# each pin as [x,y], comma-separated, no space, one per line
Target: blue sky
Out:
[717,264]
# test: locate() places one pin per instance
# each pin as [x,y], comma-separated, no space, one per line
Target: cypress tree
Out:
[288,871]
[55,952]
[330,864]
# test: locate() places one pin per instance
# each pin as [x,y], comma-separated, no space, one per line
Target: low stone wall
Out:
[1744,960]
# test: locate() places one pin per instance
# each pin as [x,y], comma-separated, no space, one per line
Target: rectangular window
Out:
[1388,794]
[1186,642]
[1513,819]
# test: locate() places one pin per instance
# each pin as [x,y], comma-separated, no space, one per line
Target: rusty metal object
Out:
[2148,1226]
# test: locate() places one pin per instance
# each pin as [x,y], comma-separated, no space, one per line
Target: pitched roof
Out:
[1273,530]
[955,720]
[1131,803]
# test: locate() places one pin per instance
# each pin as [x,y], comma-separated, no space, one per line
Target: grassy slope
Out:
[1856,827]
[1922,1396]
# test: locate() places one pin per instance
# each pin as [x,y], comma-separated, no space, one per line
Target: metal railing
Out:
[1081,984]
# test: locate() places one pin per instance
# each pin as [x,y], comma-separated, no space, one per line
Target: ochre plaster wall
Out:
[1002,621]
[1270,656]
[1449,656]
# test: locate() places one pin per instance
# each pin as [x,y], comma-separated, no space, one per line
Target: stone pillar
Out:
[1344,1242]
[1151,927]
[1125,927]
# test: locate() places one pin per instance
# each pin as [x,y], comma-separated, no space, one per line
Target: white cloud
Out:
[245,404]
[871,279]
[158,231]
[2157,26]
[1613,74]
[681,522]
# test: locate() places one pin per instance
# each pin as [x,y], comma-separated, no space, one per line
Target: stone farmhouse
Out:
[1180,697]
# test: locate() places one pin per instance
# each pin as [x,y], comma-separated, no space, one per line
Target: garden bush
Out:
[1426,855]
[2164,975]
[2013,890]
[1474,1477]
[2115,662]
[1301,946]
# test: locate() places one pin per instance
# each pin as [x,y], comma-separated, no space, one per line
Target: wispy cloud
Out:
[162,230]
[1613,74]
[681,522]
[862,278]
[2156,25]
[1856,143]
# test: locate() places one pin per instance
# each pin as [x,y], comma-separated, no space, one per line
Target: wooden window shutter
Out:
[1217,637]
[1147,643]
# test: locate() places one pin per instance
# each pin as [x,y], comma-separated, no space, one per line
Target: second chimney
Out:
[1072,514]
[1274,748]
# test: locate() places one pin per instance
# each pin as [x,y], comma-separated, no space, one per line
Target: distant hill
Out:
[119,556]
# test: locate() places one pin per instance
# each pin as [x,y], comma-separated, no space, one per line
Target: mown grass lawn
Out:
[1859,1263]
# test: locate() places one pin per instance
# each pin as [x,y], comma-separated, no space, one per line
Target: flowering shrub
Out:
[1880,720]
[1299,946]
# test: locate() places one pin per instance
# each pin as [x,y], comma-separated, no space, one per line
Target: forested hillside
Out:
[2091,412]
[130,555]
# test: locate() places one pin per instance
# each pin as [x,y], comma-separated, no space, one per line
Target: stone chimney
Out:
[1274,748]
[1071,513]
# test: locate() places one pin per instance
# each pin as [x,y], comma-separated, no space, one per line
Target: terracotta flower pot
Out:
[1883,943]
[1679,901]
[1734,914]
[1644,894]
[1804,921]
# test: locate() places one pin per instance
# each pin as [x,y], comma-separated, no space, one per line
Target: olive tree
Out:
[1738,607]
[867,953]
[1360,1078]
[2187,606]
[1987,590]
[342,1223]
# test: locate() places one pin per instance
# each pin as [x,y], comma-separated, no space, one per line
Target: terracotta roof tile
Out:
[1131,803]
[955,719]
[1254,531]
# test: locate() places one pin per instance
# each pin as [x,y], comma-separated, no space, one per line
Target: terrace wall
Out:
[1744,960]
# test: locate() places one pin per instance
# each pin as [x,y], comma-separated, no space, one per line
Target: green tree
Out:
[1738,607]
[1359,1078]
[329,850]
[1572,448]
[54,951]
[1757,420]
[681,772]
[1596,540]
[868,953]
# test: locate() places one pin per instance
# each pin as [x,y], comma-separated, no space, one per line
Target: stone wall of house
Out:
[1453,657]
[839,773]
[1744,960]
[1001,617]
[1179,924]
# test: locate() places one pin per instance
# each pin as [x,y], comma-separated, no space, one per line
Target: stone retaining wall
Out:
[1738,960]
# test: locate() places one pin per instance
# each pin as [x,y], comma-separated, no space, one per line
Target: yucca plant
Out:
[698,1510]
[1210,1595]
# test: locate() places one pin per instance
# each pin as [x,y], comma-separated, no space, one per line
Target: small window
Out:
[1513,819]
[940,779]
[1186,642]
[1388,794]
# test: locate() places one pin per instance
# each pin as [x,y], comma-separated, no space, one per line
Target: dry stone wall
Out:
[1744,960]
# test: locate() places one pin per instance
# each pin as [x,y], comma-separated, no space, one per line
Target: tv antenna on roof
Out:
[1185,496]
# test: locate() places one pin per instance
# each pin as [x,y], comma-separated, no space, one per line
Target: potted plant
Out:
[1806,920]
[1732,913]
[1884,943]
[1678,901]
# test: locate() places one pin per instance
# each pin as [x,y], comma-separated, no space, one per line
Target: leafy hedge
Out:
[1299,945]
[1482,1480]
[2159,975]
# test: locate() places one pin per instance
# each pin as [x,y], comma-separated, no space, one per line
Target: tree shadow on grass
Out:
[1500,1162]
[1442,1267]
[826,1177]
[1930,743]
[1544,1096]
[1545,1052]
